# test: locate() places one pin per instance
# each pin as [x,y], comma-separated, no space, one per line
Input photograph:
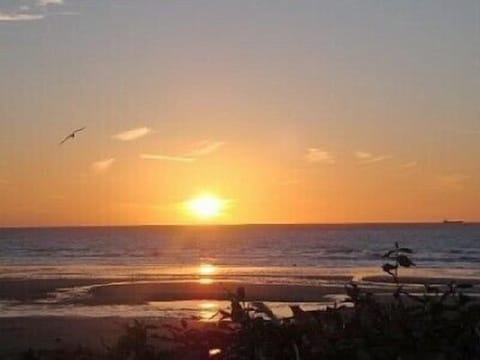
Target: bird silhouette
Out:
[72,135]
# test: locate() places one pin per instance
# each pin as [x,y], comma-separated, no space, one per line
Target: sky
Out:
[288,111]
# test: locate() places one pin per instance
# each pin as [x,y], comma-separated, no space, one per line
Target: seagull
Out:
[72,135]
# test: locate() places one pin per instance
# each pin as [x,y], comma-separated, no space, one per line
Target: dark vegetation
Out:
[438,323]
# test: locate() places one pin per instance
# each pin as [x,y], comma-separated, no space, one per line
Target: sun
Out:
[205,206]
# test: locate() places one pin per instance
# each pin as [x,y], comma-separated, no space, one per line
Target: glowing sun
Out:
[205,206]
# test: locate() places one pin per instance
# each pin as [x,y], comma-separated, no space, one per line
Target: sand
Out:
[113,291]
[422,280]
[144,292]
[34,289]
[20,333]
[17,335]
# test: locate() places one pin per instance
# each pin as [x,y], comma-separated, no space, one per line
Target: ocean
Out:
[173,251]
[261,254]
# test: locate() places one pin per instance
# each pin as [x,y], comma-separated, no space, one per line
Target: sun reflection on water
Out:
[205,281]
[207,269]
[214,352]
[208,309]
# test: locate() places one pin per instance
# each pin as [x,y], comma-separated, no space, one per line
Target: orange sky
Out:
[330,112]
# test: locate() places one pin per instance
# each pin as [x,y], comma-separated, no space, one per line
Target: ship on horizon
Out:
[446,221]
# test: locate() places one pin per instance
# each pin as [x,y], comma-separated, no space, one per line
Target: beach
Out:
[57,314]
[233,180]
[61,288]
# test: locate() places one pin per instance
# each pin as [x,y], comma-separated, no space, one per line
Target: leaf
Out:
[405,261]
[352,291]
[224,314]
[237,313]
[260,307]
[388,267]
[388,253]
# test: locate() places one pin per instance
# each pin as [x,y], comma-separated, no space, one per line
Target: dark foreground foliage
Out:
[439,323]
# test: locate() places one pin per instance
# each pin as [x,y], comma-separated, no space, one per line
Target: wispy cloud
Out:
[368,158]
[19,17]
[361,155]
[102,165]
[202,148]
[409,164]
[49,2]
[453,181]
[206,147]
[133,134]
[315,155]
[166,157]
[30,10]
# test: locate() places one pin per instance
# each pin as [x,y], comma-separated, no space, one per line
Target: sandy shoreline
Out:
[111,291]
[19,333]
[145,292]
[34,289]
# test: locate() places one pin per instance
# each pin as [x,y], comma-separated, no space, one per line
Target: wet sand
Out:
[112,292]
[34,289]
[20,333]
[138,293]
[422,280]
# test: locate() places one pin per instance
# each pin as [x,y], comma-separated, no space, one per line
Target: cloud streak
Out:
[102,165]
[49,2]
[19,17]
[133,134]
[33,10]
[454,181]
[206,147]
[167,157]
[201,149]
[368,158]
[315,155]
[409,165]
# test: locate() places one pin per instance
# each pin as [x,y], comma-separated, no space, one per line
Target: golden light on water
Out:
[208,309]
[207,269]
[214,352]
[205,281]
[205,206]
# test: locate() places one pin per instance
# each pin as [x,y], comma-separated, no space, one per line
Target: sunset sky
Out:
[287,111]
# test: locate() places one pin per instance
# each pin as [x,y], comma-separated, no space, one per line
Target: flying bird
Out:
[72,135]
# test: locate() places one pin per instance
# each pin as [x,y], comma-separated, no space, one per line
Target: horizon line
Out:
[353,223]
